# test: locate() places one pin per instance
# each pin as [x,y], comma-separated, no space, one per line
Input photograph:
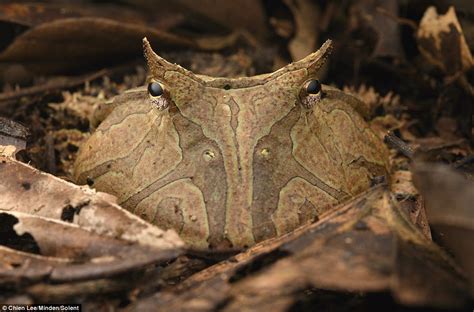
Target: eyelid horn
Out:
[312,63]
[316,60]
[158,66]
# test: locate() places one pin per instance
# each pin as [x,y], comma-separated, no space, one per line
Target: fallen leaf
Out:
[306,14]
[389,37]
[59,240]
[63,255]
[371,17]
[79,43]
[367,245]
[89,255]
[409,199]
[449,199]
[441,41]
[27,190]
[32,14]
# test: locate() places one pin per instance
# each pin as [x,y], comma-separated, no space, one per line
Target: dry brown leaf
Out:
[36,252]
[409,199]
[66,38]
[438,149]
[52,231]
[306,14]
[402,184]
[388,43]
[69,44]
[441,41]
[367,245]
[32,14]
[371,17]
[88,255]
[374,101]
[449,200]
[27,190]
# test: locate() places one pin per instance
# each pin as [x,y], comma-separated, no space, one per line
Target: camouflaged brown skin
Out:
[232,162]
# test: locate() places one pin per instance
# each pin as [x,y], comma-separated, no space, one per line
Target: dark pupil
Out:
[155,89]
[313,87]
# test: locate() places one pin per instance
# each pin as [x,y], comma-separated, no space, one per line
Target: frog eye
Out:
[310,93]
[155,88]
[157,98]
[313,86]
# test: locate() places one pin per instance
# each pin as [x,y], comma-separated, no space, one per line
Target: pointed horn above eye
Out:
[312,63]
[316,60]
[158,66]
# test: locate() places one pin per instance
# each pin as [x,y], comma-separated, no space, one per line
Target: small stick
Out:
[396,143]
[67,83]
[400,20]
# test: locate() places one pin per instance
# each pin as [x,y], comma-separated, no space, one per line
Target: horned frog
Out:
[231,162]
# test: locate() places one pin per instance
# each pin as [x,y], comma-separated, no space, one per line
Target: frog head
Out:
[228,162]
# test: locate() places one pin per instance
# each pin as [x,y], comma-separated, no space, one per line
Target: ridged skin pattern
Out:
[230,162]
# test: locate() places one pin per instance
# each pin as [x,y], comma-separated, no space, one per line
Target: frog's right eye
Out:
[155,89]
[310,93]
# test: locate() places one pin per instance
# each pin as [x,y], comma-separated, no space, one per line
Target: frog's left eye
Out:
[157,95]
[310,93]
[155,88]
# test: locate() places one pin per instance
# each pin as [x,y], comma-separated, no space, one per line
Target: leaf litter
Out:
[411,64]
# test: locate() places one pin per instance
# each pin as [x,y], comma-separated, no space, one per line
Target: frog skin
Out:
[228,162]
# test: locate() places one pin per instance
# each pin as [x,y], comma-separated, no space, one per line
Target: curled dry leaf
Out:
[52,231]
[441,41]
[71,252]
[42,38]
[77,43]
[84,39]
[27,190]
[366,245]
[57,254]
[449,199]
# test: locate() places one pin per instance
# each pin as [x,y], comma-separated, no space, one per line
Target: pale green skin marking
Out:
[230,162]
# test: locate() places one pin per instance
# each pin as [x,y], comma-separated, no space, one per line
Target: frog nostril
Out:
[208,155]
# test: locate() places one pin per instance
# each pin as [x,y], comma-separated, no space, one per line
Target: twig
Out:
[13,129]
[64,84]
[396,143]
[400,20]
